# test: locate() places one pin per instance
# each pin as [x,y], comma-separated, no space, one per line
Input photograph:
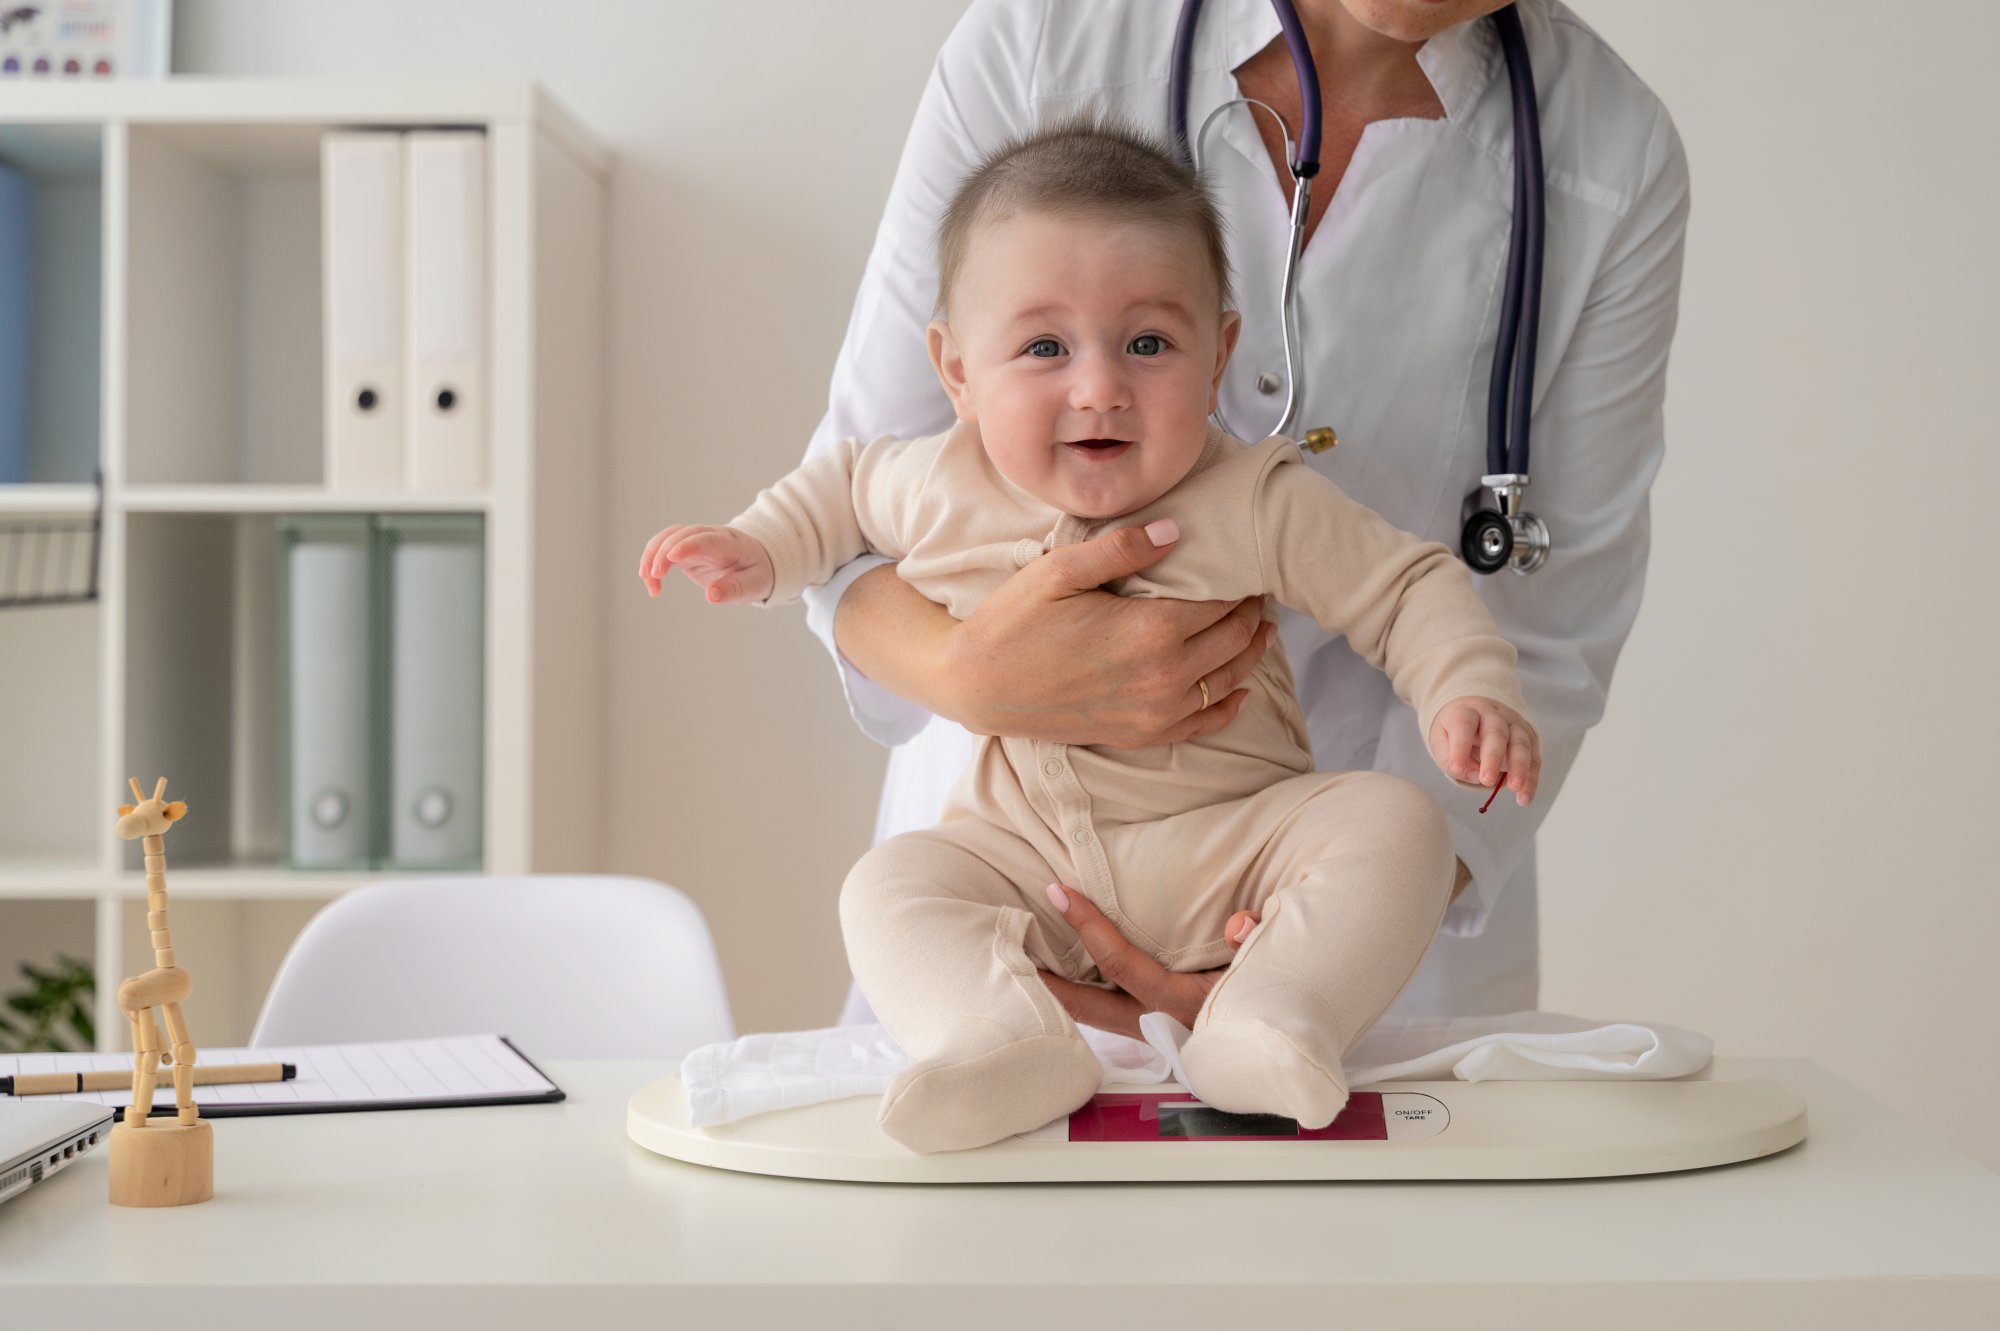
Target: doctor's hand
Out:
[1144,985]
[732,565]
[1476,739]
[1049,656]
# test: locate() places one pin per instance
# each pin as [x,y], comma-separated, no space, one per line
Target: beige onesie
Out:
[1350,871]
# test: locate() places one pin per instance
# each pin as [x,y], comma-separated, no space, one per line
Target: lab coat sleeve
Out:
[1598,438]
[1404,604]
[977,96]
[840,503]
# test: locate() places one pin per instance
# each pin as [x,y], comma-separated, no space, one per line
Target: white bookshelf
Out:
[182,355]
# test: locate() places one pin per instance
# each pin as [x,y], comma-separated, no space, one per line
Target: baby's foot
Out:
[937,1105]
[1246,1067]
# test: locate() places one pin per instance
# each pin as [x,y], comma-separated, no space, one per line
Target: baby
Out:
[1084,325]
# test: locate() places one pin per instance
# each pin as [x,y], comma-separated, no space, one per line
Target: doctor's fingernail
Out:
[1162,531]
[1057,898]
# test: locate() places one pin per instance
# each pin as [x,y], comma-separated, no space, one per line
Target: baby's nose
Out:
[1100,390]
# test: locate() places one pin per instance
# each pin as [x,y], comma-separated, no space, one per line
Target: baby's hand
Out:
[732,565]
[1476,739]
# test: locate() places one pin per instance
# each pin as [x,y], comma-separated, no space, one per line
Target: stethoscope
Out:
[1503,534]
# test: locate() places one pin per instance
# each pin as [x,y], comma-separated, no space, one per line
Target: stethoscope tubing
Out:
[1521,306]
[1306,156]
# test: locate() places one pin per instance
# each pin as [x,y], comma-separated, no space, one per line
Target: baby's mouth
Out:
[1098,450]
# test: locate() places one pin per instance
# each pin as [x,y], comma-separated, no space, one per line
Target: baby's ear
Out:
[949,362]
[1225,343]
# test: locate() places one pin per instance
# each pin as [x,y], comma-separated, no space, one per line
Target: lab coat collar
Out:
[1459,62]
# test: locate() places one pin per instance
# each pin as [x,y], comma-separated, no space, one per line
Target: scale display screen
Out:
[1201,1121]
[1178,1117]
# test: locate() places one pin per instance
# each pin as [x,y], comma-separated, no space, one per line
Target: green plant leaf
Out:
[56,1007]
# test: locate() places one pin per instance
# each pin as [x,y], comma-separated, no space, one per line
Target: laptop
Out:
[37,1140]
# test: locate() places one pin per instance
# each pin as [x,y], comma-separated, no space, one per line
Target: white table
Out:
[545,1215]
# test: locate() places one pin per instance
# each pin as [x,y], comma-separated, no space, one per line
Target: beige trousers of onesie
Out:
[945,928]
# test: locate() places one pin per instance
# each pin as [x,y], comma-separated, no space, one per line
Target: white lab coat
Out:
[1400,287]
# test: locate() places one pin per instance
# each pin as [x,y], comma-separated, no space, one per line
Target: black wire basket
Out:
[53,560]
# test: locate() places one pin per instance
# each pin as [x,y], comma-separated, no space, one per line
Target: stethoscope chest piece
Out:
[1508,537]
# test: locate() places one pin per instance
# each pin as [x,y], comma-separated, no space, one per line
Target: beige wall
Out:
[1771,837]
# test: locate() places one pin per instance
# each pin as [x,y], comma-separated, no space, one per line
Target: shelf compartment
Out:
[222,330]
[55,438]
[200,687]
[203,669]
[56,811]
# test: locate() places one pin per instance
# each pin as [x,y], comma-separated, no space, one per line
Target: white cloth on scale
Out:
[759,1073]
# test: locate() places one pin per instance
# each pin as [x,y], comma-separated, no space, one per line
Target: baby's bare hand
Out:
[729,564]
[1475,740]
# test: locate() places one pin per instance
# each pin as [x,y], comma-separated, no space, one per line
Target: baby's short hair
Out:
[1082,165]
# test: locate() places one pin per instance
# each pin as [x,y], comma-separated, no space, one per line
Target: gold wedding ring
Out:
[1203,681]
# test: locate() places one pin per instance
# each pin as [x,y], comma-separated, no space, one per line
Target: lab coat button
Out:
[1052,767]
[1268,383]
[1081,836]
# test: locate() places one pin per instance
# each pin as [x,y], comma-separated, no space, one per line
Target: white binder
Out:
[361,188]
[328,713]
[445,331]
[437,595]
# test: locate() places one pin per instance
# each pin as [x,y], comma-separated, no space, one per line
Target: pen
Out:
[120,1079]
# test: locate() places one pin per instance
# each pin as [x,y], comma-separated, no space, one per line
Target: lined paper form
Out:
[394,1074]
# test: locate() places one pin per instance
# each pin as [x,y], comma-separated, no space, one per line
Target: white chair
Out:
[566,966]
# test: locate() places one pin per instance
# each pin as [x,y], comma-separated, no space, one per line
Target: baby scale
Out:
[1158,1133]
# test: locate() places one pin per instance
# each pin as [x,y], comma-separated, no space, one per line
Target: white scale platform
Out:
[1158,1133]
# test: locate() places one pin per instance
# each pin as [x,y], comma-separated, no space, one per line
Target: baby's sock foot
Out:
[1246,1067]
[937,1105]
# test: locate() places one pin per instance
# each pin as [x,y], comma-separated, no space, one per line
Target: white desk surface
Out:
[532,1215]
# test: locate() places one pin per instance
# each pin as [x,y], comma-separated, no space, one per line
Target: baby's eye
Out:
[1149,344]
[1056,347]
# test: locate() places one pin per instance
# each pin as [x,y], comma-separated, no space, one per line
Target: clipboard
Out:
[448,1072]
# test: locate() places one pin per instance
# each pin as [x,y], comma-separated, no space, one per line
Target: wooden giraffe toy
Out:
[159,1164]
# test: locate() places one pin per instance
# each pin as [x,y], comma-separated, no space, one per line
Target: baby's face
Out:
[1088,352]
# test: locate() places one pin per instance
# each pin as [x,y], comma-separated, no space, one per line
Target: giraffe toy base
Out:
[162,1164]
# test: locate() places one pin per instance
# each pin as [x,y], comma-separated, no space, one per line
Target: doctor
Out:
[1404,257]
